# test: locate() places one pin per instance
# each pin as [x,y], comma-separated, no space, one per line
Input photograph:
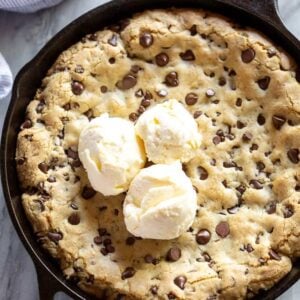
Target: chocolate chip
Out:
[55,236]
[256,184]
[21,161]
[191,98]
[222,81]
[271,52]
[110,248]
[188,55]
[154,289]
[40,107]
[240,125]
[203,174]
[88,192]
[238,102]
[274,255]
[77,87]
[216,140]
[148,259]
[98,240]
[102,231]
[141,109]
[271,207]
[130,241]
[241,189]
[233,210]
[249,248]
[72,153]
[103,89]
[248,55]
[173,254]
[133,117]
[297,188]
[222,229]
[146,102]
[107,241]
[197,114]
[112,60]
[193,30]
[113,41]
[127,82]
[104,251]
[146,39]
[128,273]
[263,83]
[260,166]
[293,155]
[139,93]
[278,121]
[254,147]
[229,164]
[180,281]
[247,136]
[288,211]
[51,179]
[43,167]
[79,69]
[27,124]
[210,93]
[162,59]
[74,219]
[206,257]
[171,79]
[203,236]
[171,296]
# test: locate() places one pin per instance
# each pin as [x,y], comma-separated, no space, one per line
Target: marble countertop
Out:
[20,39]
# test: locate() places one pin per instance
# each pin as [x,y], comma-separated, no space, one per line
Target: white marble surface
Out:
[21,36]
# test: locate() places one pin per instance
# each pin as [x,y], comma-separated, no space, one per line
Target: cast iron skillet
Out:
[262,14]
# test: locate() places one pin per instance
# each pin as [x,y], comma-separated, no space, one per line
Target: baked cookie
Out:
[244,94]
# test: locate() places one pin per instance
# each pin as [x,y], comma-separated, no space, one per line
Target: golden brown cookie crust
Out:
[246,103]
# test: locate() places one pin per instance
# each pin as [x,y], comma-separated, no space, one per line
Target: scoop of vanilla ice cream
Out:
[169,132]
[111,153]
[161,202]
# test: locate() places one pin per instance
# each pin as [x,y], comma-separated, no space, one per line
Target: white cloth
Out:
[26,6]
[6,78]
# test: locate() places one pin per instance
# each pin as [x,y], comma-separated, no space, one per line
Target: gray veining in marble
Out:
[21,36]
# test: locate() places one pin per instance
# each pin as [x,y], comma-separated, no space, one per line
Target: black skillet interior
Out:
[260,14]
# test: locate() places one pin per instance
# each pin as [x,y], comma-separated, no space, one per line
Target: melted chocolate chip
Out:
[229,164]
[197,114]
[72,153]
[274,255]
[98,240]
[180,281]
[249,248]
[21,161]
[256,184]
[278,121]
[112,60]
[146,39]
[222,81]
[191,99]
[263,83]
[77,87]
[148,259]
[293,155]
[171,79]
[88,192]
[238,102]
[127,82]
[162,59]
[240,124]
[216,139]
[27,124]
[104,251]
[173,254]
[55,236]
[113,41]
[188,55]
[247,136]
[288,211]
[193,30]
[203,174]
[43,167]
[248,55]
[223,229]
[128,273]
[74,219]
[154,289]
[261,119]
[203,237]
[102,231]
[146,102]
[271,207]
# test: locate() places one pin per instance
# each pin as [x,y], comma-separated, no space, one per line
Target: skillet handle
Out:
[266,10]
[48,286]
